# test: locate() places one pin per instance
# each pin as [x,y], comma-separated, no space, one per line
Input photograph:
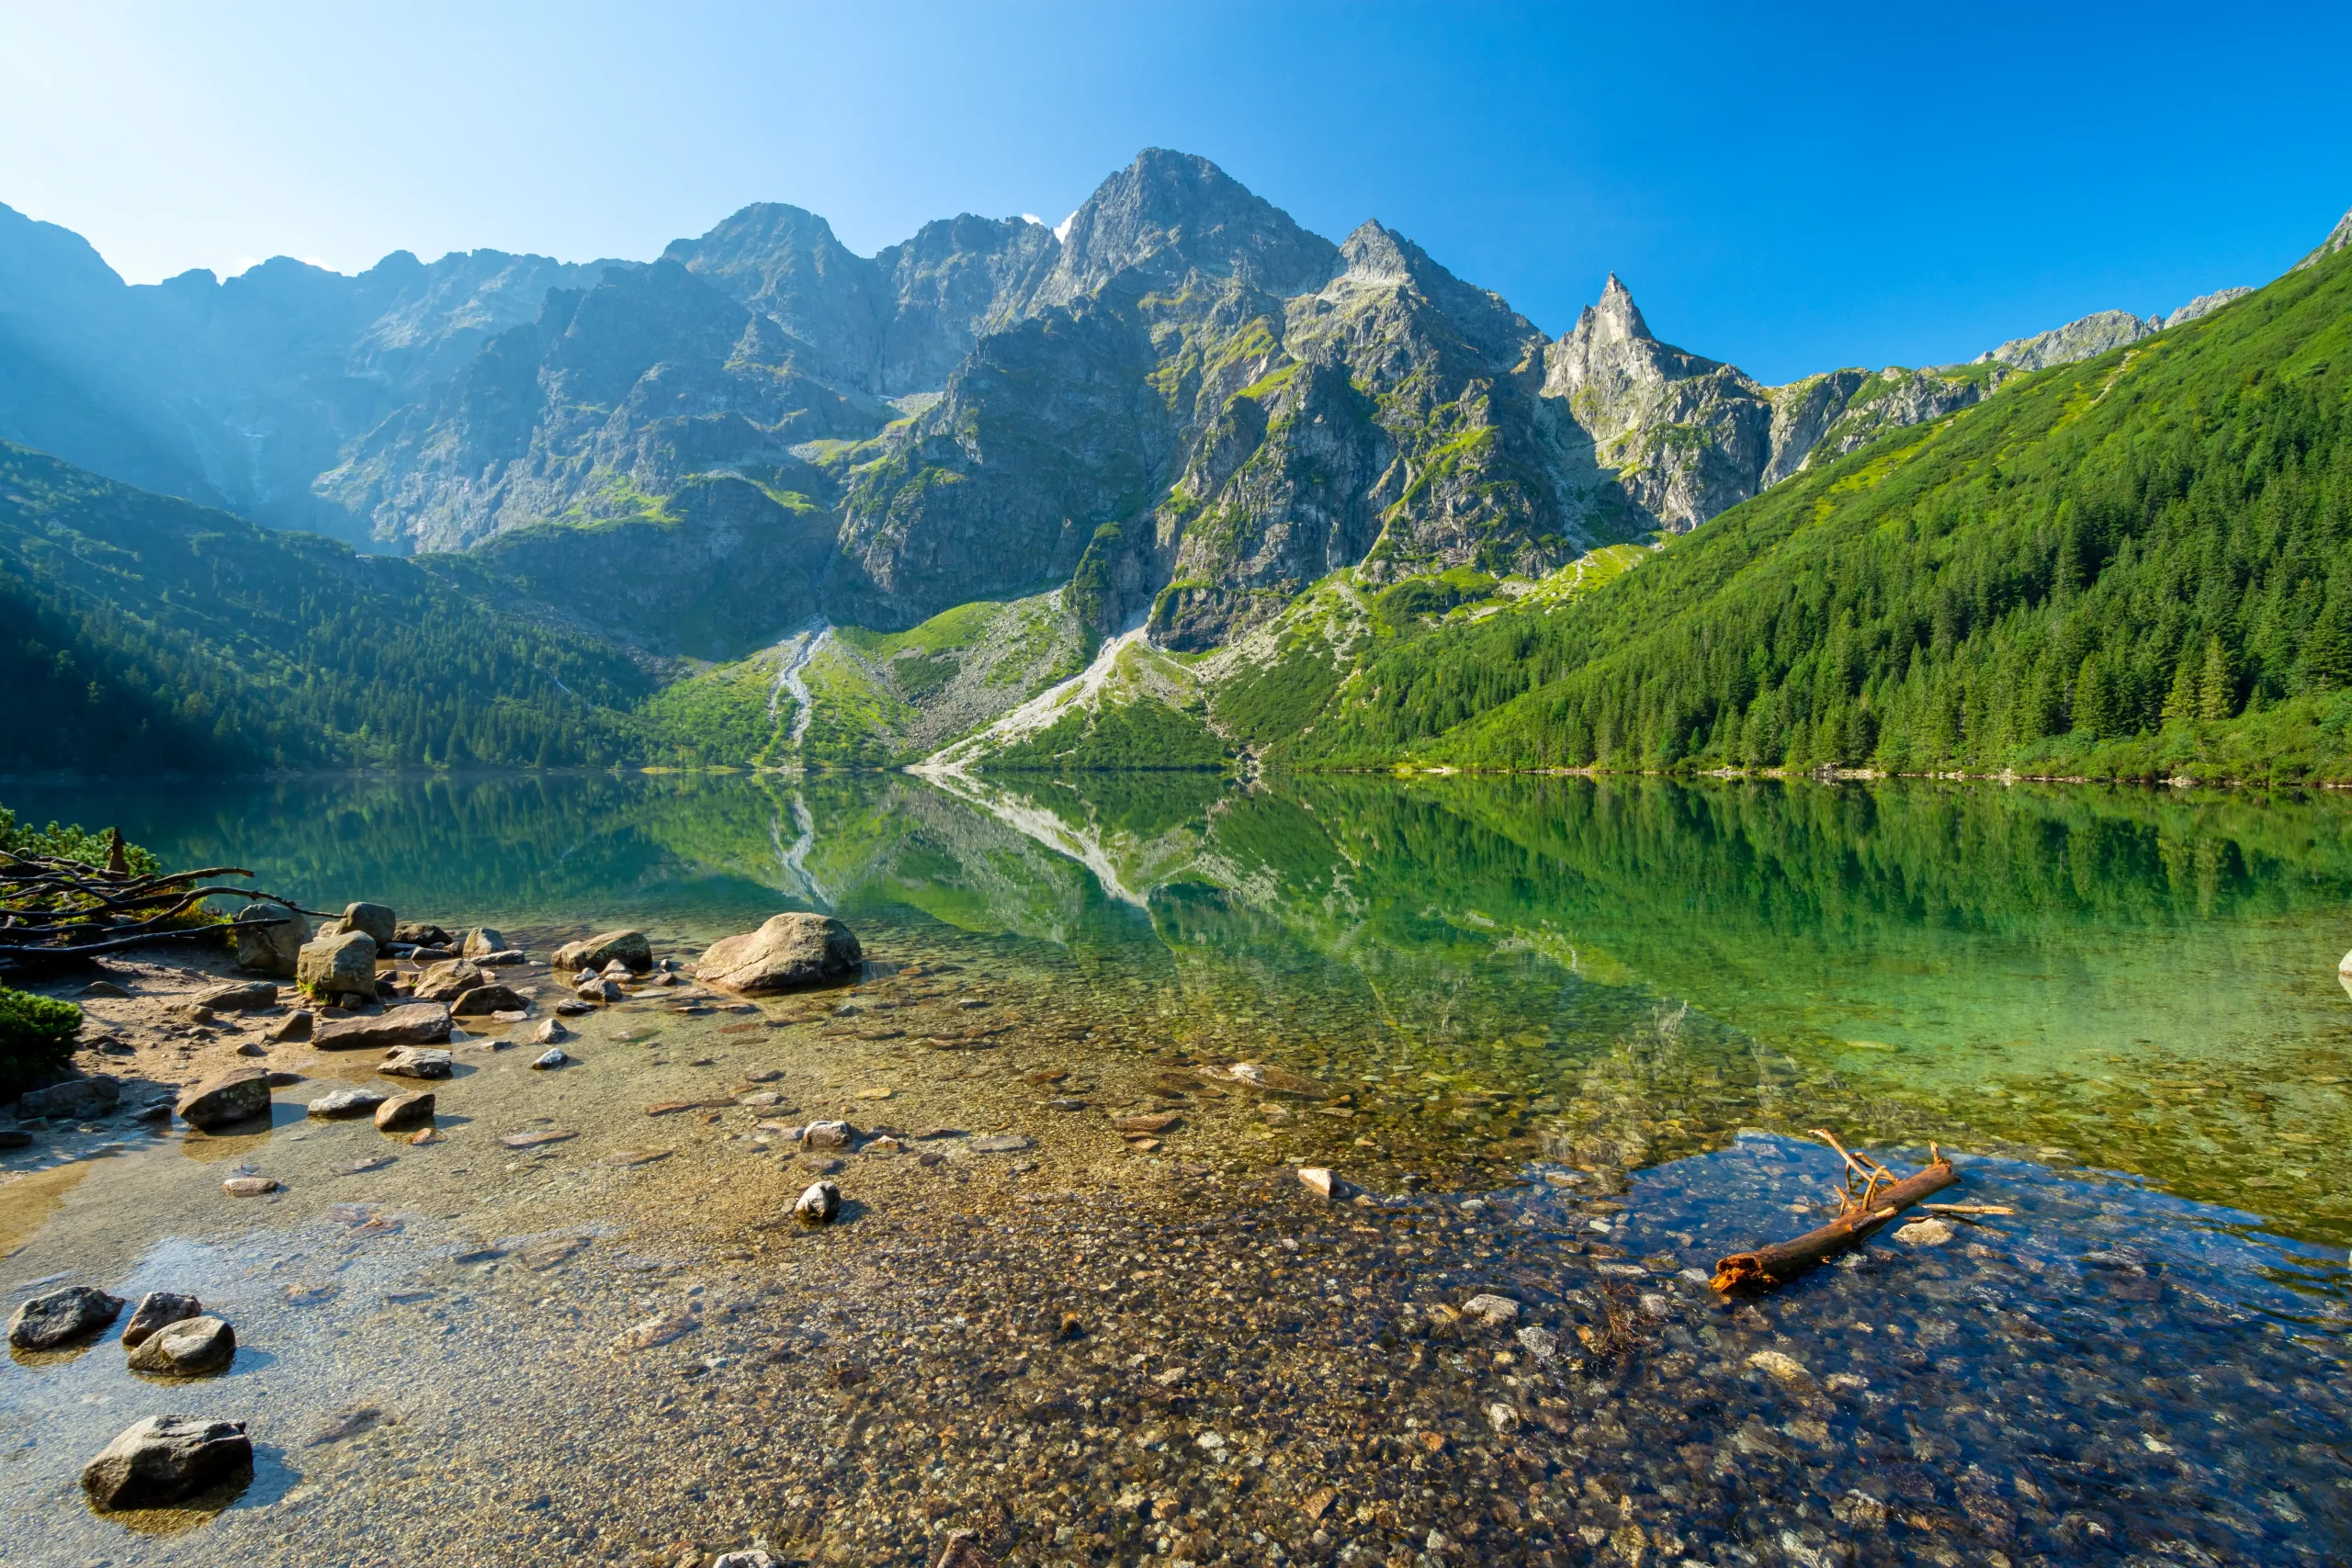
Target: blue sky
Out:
[1789,190]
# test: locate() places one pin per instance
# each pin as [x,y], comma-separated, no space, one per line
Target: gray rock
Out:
[447,981]
[818,1204]
[268,939]
[98,988]
[410,1023]
[828,1135]
[377,919]
[629,948]
[552,1033]
[483,940]
[414,1062]
[484,1000]
[1541,1343]
[294,1027]
[758,1557]
[572,1007]
[225,1100]
[165,1459]
[504,958]
[553,1056]
[2087,338]
[76,1099]
[157,1308]
[188,1348]
[402,1112]
[239,999]
[62,1317]
[598,990]
[2206,304]
[999,1144]
[252,1186]
[1496,1312]
[336,965]
[423,933]
[791,951]
[344,1102]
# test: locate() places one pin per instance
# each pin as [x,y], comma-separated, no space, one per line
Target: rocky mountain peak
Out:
[1616,318]
[2086,337]
[1167,214]
[2338,239]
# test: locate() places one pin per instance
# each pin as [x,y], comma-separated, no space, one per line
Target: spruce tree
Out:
[2182,702]
[2094,703]
[2217,687]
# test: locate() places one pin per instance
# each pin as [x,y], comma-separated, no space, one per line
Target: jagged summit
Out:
[1616,318]
[2338,239]
[1170,213]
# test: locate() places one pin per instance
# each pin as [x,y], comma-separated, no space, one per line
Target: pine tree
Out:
[2217,687]
[2094,703]
[2182,702]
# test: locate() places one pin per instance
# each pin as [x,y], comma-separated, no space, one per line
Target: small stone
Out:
[416,1061]
[188,1348]
[1158,1123]
[883,1145]
[249,1186]
[486,1001]
[76,1099]
[347,1102]
[293,1028]
[962,1550]
[1541,1343]
[1924,1232]
[225,1100]
[62,1317]
[165,1459]
[102,989]
[828,1135]
[598,990]
[654,1331]
[425,1135]
[1502,1418]
[402,1112]
[447,981]
[483,940]
[250,1049]
[1788,1368]
[1000,1144]
[757,1558]
[821,1165]
[1493,1311]
[1072,1326]
[572,1007]
[552,1033]
[1319,1181]
[240,998]
[157,1308]
[818,1204]
[536,1140]
[281,1078]
[553,1056]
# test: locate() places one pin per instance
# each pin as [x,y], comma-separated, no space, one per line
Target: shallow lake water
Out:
[1565,1040]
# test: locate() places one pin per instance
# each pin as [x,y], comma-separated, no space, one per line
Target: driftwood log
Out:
[59,912]
[1882,1196]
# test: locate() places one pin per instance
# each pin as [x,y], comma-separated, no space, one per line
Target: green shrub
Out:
[71,843]
[36,1038]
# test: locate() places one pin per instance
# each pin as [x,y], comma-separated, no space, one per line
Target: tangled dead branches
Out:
[56,910]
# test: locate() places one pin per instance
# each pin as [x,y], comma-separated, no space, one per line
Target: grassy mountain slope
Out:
[2136,565]
[142,632]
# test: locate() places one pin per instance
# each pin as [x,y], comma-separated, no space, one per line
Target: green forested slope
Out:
[139,631]
[2138,566]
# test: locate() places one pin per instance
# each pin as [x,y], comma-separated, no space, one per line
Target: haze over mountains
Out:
[1181,399]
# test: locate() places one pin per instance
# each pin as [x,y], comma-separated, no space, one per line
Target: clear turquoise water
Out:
[2139,981]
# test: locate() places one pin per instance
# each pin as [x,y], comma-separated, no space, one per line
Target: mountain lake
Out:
[1563,1043]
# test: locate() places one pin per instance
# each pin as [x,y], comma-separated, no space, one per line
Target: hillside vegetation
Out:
[2133,567]
[137,631]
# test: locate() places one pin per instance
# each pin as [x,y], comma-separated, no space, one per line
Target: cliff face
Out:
[1181,404]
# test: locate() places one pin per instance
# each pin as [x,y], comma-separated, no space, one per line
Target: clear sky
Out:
[1788,188]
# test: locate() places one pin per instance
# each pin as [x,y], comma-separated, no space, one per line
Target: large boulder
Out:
[189,1348]
[60,1318]
[341,964]
[423,933]
[789,952]
[76,1099]
[403,1111]
[483,940]
[410,1023]
[165,1459]
[376,920]
[268,939]
[224,1099]
[594,952]
[447,981]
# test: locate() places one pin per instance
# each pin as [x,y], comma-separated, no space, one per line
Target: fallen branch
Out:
[1783,1261]
[53,909]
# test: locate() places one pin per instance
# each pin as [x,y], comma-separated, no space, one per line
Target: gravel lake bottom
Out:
[1079,1300]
